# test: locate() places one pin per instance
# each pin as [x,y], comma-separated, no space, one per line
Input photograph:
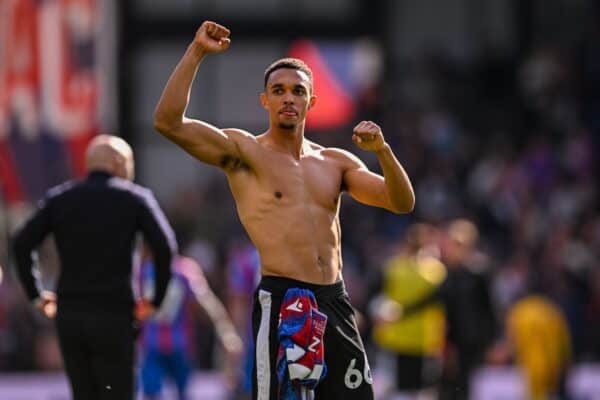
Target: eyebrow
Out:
[280,85]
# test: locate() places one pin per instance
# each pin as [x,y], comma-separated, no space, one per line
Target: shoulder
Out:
[249,149]
[344,157]
[314,146]
[58,190]
[128,186]
[138,192]
[240,135]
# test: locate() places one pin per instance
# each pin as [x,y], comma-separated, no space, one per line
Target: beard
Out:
[287,126]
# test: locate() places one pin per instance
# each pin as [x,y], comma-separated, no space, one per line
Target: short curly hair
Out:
[291,63]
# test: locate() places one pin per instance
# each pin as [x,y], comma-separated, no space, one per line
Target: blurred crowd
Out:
[504,147]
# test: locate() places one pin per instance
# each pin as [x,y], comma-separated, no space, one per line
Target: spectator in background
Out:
[243,275]
[470,321]
[167,337]
[592,319]
[95,223]
[470,317]
[417,340]
[538,334]
[18,328]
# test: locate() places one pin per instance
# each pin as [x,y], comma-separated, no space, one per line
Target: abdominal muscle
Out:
[290,210]
[301,244]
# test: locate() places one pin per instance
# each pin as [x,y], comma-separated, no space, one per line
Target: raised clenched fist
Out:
[367,135]
[212,37]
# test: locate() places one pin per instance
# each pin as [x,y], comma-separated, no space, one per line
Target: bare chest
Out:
[313,180]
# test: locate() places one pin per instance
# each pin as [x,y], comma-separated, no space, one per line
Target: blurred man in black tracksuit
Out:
[95,223]
[470,316]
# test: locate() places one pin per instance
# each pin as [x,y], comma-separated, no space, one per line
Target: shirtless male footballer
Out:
[287,191]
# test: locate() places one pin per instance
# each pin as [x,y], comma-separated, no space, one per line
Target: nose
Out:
[288,99]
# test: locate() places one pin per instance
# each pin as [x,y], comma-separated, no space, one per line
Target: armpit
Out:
[243,142]
[343,186]
[231,163]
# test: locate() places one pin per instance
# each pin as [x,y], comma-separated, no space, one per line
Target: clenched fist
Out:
[367,135]
[212,37]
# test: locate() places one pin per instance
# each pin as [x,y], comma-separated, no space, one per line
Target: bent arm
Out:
[25,242]
[392,191]
[200,139]
[161,239]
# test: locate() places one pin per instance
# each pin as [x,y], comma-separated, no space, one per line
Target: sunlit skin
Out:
[288,98]
[287,189]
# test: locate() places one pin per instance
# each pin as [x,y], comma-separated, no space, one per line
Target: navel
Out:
[278,194]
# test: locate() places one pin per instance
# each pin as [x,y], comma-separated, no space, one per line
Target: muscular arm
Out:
[393,191]
[202,140]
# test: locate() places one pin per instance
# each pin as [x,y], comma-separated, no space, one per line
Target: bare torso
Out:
[290,206]
[287,189]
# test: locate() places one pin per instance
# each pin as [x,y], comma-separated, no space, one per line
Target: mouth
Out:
[288,112]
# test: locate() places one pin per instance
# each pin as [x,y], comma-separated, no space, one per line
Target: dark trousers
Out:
[98,353]
[417,372]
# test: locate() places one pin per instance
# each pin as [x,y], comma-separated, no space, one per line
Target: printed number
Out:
[314,344]
[353,377]
[368,377]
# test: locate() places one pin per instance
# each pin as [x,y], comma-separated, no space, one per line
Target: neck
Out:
[101,168]
[288,140]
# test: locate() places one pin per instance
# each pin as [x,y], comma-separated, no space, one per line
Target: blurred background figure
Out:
[243,275]
[470,316]
[538,334]
[95,222]
[167,338]
[415,341]
[462,289]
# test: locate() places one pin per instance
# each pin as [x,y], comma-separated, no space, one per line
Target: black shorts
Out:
[348,373]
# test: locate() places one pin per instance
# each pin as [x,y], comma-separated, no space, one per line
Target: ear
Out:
[118,166]
[312,101]
[263,100]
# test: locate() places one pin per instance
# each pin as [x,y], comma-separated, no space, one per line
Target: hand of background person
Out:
[367,136]
[46,304]
[212,37]
[234,349]
[387,312]
[383,310]
[233,344]
[143,310]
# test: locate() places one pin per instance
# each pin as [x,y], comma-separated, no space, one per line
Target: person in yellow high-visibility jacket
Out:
[417,340]
[539,335]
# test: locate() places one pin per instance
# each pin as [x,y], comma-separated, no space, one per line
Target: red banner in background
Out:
[343,72]
[335,104]
[49,92]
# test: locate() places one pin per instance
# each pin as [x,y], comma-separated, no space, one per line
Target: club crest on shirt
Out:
[295,306]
